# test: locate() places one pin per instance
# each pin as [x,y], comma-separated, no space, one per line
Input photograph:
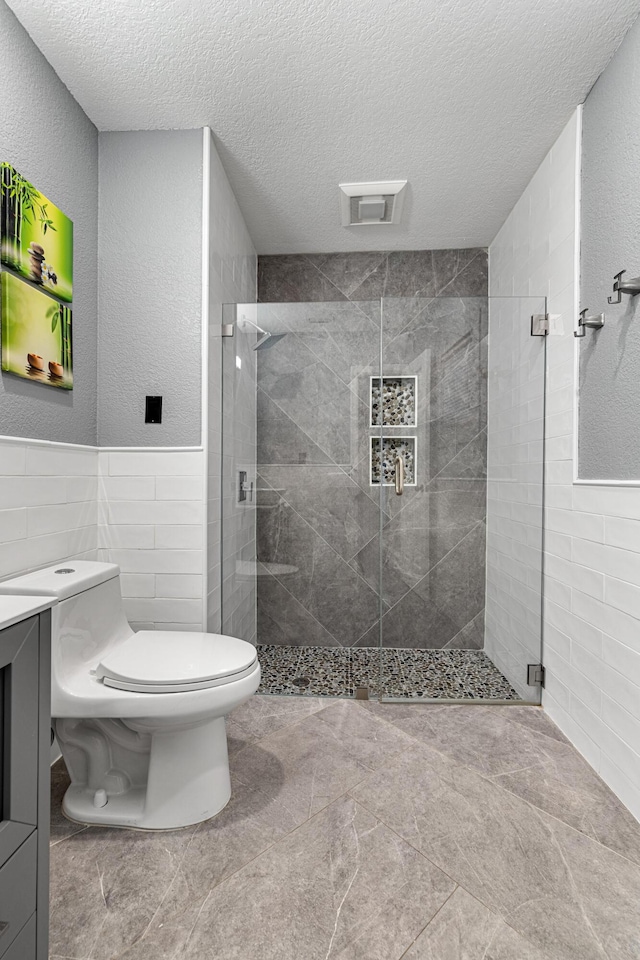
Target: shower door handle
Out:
[399,476]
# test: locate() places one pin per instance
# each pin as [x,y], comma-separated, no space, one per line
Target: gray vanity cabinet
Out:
[25,724]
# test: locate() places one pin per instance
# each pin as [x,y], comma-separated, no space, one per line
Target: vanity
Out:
[25,742]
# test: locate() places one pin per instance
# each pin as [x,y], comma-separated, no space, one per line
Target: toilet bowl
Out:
[139,716]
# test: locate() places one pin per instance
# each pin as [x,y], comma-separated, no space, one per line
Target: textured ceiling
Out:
[461,97]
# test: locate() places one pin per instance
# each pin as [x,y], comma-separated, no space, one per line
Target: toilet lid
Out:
[169,660]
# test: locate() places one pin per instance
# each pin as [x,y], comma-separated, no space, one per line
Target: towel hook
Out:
[584,321]
[630,287]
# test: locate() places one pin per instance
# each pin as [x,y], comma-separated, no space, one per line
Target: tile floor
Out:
[406,674]
[359,831]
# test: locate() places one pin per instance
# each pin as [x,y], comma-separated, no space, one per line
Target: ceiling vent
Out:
[364,204]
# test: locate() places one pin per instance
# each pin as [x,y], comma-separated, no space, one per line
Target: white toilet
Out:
[139,716]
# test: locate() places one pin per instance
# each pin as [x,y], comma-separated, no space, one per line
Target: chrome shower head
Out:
[263,339]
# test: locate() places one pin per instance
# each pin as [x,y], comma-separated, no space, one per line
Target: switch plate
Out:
[153,410]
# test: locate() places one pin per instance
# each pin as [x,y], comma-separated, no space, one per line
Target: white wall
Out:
[48,495]
[592,533]
[151,522]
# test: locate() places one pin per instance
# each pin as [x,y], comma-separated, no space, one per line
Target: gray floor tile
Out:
[569,789]
[369,738]
[481,736]
[566,894]
[61,828]
[343,886]
[260,716]
[349,826]
[302,767]
[106,886]
[464,929]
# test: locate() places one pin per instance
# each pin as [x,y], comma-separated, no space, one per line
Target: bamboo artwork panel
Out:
[36,238]
[36,334]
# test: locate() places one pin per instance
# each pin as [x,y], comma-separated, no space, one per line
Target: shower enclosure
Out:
[382,461]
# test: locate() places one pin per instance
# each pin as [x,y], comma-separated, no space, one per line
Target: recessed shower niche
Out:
[393,447]
[395,403]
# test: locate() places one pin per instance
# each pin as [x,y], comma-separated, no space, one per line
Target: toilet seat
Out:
[176,662]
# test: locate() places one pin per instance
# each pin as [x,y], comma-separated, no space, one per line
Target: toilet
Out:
[139,716]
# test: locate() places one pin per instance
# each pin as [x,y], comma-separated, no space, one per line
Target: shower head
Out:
[263,339]
[269,340]
[266,335]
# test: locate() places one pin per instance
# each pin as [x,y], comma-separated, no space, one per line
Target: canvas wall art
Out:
[36,334]
[36,238]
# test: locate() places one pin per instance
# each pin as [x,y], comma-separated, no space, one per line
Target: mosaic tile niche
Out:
[395,404]
[393,447]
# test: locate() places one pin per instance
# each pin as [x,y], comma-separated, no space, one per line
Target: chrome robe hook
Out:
[584,321]
[630,287]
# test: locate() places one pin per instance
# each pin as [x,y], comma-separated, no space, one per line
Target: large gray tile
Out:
[261,716]
[568,788]
[280,440]
[312,395]
[308,765]
[405,273]
[374,740]
[567,894]
[330,501]
[455,587]
[283,620]
[293,278]
[471,280]
[413,622]
[459,384]
[471,637]
[344,336]
[277,784]
[169,929]
[450,264]
[347,270]
[254,819]
[482,737]
[435,341]
[343,886]
[61,828]
[420,534]
[322,582]
[106,886]
[536,719]
[464,929]
[442,602]
[470,462]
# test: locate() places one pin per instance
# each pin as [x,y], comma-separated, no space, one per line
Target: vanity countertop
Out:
[15,609]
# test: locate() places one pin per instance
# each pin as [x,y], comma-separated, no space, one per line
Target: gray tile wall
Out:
[318,515]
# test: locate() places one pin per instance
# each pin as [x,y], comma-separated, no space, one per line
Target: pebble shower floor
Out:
[413,674]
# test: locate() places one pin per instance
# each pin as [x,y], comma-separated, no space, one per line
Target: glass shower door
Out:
[462,497]
[306,539]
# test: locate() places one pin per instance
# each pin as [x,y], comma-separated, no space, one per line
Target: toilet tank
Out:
[88,618]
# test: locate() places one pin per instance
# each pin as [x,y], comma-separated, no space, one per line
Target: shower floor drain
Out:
[301,682]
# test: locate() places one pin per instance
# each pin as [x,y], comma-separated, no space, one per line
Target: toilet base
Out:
[166,778]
